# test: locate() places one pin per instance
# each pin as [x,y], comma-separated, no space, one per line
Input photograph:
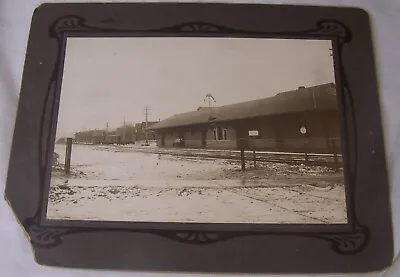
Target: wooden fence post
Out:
[335,155]
[306,149]
[68,152]
[254,152]
[242,158]
[303,131]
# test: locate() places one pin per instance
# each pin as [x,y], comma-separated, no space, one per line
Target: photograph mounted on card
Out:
[201,134]
[171,152]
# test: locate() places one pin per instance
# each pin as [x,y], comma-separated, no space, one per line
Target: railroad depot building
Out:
[276,119]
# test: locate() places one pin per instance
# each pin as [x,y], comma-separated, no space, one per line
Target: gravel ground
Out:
[107,184]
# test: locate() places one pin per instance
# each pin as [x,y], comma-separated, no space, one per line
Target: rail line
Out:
[275,157]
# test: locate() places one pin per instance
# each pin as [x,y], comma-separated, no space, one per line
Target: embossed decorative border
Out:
[341,242]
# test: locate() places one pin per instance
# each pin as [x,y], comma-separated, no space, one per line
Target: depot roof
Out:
[321,97]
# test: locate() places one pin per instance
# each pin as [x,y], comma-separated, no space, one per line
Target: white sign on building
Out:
[253,133]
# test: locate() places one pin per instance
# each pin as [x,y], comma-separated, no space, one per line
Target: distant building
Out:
[140,129]
[277,119]
[84,136]
[124,134]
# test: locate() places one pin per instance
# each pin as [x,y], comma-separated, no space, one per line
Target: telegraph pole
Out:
[106,138]
[146,112]
[124,132]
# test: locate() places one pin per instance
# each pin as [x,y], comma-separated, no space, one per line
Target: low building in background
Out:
[140,131]
[125,134]
[277,121]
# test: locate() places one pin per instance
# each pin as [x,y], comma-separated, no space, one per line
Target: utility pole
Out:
[146,112]
[124,132]
[106,139]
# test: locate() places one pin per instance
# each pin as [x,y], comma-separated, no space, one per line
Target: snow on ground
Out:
[114,185]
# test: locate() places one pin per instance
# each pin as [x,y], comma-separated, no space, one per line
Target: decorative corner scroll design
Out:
[348,243]
[68,23]
[335,28]
[44,236]
[41,236]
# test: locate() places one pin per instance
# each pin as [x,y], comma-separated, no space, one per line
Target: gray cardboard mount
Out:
[364,244]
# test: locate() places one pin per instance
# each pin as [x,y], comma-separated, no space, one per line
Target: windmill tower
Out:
[210,98]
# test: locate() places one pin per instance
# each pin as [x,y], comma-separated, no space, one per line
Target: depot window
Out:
[220,133]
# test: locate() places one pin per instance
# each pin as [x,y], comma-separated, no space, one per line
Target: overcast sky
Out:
[109,79]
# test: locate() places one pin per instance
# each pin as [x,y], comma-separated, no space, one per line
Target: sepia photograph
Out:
[198,130]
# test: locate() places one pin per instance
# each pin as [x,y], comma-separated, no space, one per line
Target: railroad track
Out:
[276,158]
[288,158]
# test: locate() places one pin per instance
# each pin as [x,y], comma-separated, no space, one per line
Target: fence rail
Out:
[327,154]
